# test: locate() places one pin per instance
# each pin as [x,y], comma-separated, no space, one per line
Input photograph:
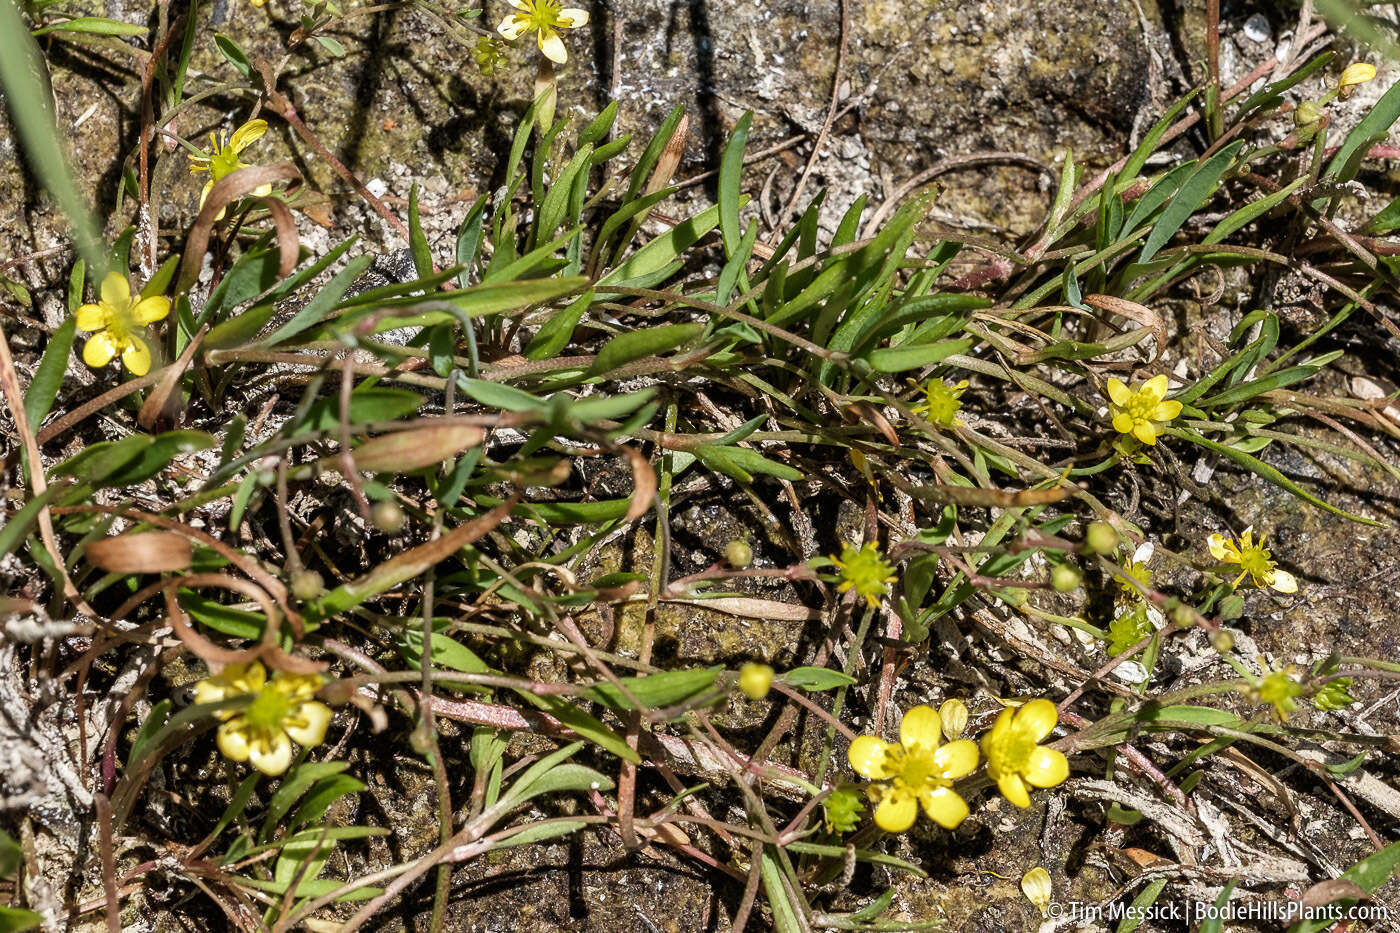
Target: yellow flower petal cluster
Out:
[117,318]
[864,570]
[1356,73]
[1253,560]
[222,158]
[942,402]
[284,711]
[1014,756]
[545,18]
[1141,412]
[915,772]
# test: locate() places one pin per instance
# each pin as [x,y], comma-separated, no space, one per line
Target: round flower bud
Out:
[738,554]
[387,517]
[755,680]
[307,584]
[1182,616]
[1222,641]
[1307,114]
[1065,578]
[1100,538]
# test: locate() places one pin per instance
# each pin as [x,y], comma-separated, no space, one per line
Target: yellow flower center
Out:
[542,15]
[914,769]
[1256,562]
[223,161]
[1140,407]
[1008,750]
[269,712]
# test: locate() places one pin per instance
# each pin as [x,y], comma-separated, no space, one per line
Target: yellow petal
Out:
[1155,388]
[512,27]
[944,807]
[1357,73]
[272,755]
[254,675]
[233,740]
[522,4]
[1284,582]
[1118,393]
[1216,544]
[209,690]
[116,290]
[1166,411]
[957,759]
[553,47]
[247,134]
[867,757]
[1014,789]
[92,317]
[1037,717]
[204,193]
[1047,767]
[137,356]
[953,716]
[571,18]
[920,726]
[150,310]
[316,718]
[99,349]
[1247,538]
[896,812]
[1123,423]
[1145,432]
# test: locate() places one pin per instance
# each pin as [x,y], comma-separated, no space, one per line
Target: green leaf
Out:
[554,335]
[666,689]
[48,377]
[816,679]
[1140,155]
[642,170]
[552,212]
[658,255]
[499,395]
[1216,922]
[1133,918]
[1262,469]
[585,725]
[636,344]
[1376,123]
[1188,199]
[741,463]
[1369,873]
[17,919]
[293,786]
[319,307]
[153,724]
[731,172]
[322,795]
[10,855]
[539,832]
[239,329]
[417,240]
[94,25]
[447,652]
[366,405]
[905,357]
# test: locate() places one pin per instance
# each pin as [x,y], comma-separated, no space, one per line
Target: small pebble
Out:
[1256,28]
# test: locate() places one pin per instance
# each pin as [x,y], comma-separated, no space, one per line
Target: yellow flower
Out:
[1279,689]
[284,711]
[1141,412]
[865,571]
[1253,559]
[1356,73]
[941,403]
[915,771]
[544,17]
[1037,887]
[1014,757]
[117,317]
[221,159]
[755,680]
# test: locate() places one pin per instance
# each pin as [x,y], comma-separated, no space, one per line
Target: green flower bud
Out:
[1065,578]
[755,680]
[1100,538]
[387,517]
[738,554]
[307,584]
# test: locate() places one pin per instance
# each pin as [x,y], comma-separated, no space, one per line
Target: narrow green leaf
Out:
[1188,199]
[94,25]
[48,377]
[731,172]
[915,356]
[417,240]
[650,341]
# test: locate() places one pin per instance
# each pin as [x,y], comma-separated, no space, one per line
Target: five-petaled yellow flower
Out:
[1141,412]
[916,771]
[1014,756]
[546,18]
[1253,559]
[118,318]
[284,711]
[221,158]
[864,570]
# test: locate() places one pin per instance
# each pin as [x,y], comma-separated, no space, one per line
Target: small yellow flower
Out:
[1253,559]
[915,772]
[1134,571]
[1357,73]
[1141,412]
[221,159]
[1278,688]
[865,571]
[1037,887]
[941,403]
[755,680]
[284,711]
[544,17]
[117,318]
[1014,756]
